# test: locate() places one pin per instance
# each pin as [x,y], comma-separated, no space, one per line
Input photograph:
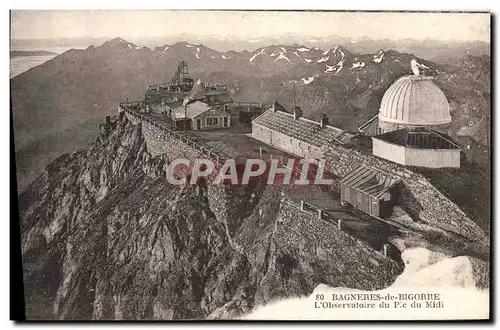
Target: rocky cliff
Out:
[104,236]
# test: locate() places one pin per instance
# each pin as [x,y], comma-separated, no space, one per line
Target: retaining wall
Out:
[357,263]
[419,196]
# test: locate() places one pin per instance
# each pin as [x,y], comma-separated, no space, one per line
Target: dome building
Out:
[413,101]
[403,132]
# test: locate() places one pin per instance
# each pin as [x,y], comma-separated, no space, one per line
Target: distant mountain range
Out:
[435,50]
[57,105]
[17,53]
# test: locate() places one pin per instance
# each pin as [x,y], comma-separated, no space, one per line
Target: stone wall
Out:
[161,141]
[358,264]
[419,196]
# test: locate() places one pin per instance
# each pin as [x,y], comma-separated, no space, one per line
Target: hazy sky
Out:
[85,23]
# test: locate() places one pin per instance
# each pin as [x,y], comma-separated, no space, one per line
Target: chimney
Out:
[275,106]
[324,120]
[297,112]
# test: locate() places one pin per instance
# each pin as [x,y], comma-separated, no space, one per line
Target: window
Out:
[212,121]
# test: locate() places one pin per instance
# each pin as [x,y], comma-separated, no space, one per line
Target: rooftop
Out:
[415,100]
[363,126]
[191,110]
[201,90]
[302,129]
[419,138]
[369,180]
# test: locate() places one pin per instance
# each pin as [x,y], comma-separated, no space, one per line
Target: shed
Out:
[370,190]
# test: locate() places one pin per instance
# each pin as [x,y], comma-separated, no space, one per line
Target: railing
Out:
[250,104]
[207,151]
[322,215]
[162,85]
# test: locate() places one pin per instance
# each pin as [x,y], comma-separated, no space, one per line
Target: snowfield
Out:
[323,59]
[425,272]
[378,58]
[262,51]
[309,80]
[358,65]
[283,57]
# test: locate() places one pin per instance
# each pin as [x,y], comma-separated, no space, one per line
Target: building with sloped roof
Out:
[370,190]
[294,134]
[198,115]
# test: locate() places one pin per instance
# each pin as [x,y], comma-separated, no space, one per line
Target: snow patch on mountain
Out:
[334,68]
[308,80]
[358,65]
[190,46]
[166,48]
[337,67]
[213,56]
[262,51]
[308,60]
[197,52]
[129,46]
[283,49]
[415,66]
[274,54]
[377,58]
[283,57]
[326,51]
[323,59]
[303,49]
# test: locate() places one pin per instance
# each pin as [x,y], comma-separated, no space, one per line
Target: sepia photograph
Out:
[251,165]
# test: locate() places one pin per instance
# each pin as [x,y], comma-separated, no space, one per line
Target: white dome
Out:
[414,100]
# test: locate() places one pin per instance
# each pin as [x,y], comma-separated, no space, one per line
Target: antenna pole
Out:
[294,94]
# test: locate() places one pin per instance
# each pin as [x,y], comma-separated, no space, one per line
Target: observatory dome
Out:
[414,101]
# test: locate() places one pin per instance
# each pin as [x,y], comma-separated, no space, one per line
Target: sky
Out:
[43,24]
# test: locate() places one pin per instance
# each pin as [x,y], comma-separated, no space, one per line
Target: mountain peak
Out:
[120,43]
[117,41]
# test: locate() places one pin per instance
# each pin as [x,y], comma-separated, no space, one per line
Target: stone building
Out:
[198,115]
[404,129]
[292,133]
